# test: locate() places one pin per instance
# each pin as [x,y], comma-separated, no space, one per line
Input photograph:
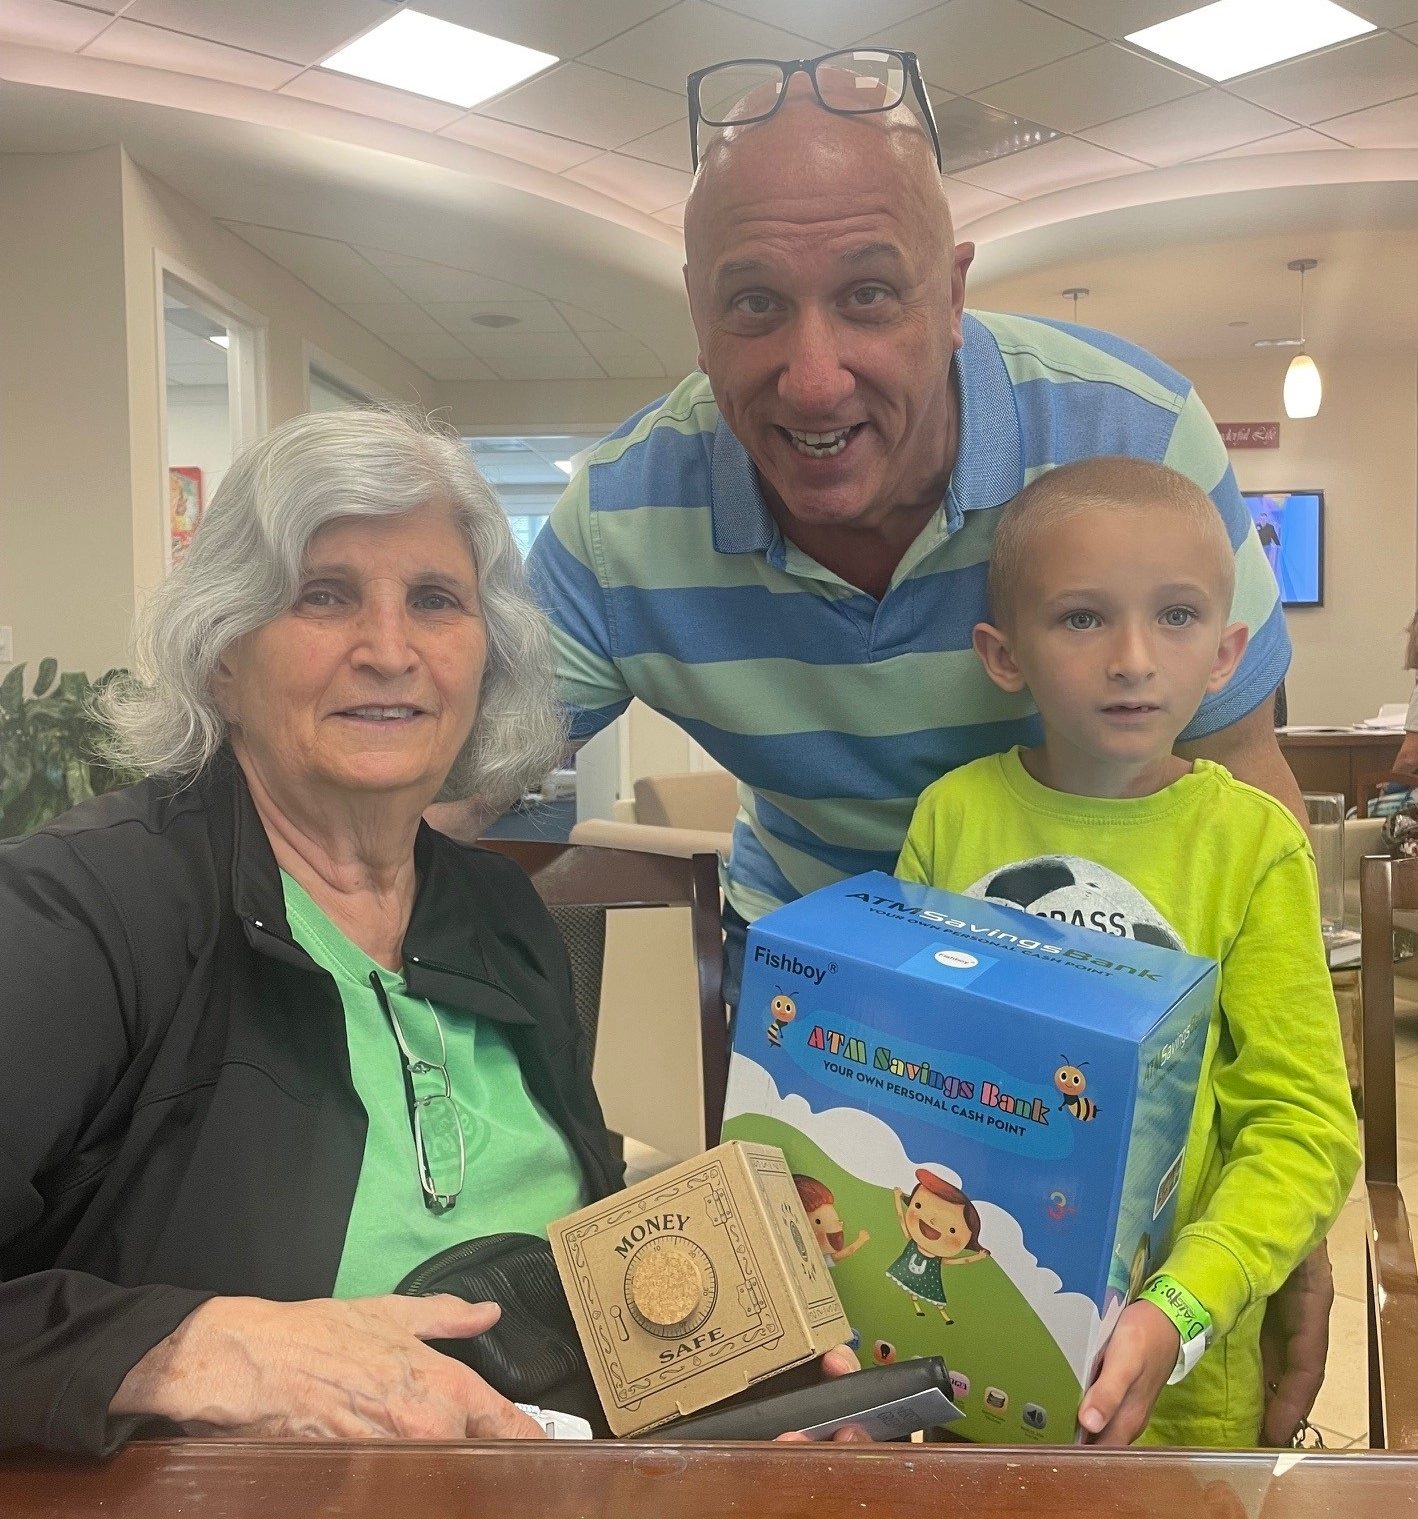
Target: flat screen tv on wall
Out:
[1291,529]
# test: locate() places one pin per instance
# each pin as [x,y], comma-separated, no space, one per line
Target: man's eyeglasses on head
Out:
[853,82]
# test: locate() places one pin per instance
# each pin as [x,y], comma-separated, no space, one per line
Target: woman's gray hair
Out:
[243,566]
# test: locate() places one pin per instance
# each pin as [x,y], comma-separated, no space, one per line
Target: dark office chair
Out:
[580,883]
[1386,884]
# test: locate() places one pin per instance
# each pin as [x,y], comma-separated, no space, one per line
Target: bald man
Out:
[787,554]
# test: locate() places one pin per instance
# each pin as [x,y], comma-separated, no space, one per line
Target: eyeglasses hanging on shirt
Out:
[433,1115]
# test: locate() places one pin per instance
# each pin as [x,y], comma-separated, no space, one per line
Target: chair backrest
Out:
[580,883]
[1386,884]
[707,799]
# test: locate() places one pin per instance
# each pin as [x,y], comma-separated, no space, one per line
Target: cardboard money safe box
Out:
[696,1284]
[985,1112]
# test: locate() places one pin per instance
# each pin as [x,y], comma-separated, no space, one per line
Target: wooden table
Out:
[245,1480]
[1348,760]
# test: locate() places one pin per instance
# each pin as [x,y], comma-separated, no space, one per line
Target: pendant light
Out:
[1303,390]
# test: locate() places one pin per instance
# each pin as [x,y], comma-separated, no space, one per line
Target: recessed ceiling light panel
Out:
[1232,37]
[426,56]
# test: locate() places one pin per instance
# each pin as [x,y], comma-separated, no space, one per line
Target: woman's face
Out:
[369,683]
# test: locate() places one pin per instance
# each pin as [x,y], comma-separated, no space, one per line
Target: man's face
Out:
[827,300]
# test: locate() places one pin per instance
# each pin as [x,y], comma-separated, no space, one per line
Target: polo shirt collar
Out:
[989,465]
[989,462]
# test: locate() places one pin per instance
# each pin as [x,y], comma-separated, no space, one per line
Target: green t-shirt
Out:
[1219,868]
[521,1173]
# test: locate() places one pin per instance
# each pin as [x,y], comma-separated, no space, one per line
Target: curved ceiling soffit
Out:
[1015,237]
[263,108]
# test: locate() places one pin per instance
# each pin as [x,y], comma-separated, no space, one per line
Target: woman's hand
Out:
[325,1369]
[1139,1359]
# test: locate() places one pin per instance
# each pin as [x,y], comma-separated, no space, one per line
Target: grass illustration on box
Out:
[1011,1379]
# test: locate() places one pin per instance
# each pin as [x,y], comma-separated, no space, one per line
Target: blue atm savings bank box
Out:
[986,1114]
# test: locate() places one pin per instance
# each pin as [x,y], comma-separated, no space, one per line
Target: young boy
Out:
[1110,586]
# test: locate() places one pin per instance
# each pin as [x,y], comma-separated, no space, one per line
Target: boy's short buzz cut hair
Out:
[1107,483]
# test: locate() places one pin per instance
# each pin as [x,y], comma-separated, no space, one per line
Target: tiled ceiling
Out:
[610,118]
[456,324]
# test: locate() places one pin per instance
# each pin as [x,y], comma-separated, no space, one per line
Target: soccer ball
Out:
[1070,889]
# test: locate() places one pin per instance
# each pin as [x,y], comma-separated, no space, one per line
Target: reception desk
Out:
[1348,760]
[303,1480]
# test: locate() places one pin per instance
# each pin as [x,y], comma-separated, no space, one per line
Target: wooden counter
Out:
[1349,760]
[303,1480]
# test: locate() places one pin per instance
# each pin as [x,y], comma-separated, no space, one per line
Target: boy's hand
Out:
[1139,1359]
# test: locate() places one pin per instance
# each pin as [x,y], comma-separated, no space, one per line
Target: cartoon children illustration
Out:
[827,1226]
[942,1228]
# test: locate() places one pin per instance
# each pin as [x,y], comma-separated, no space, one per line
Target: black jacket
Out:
[177,1115]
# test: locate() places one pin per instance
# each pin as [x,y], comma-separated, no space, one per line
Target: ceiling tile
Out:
[460,317]
[155,47]
[375,100]
[672,216]
[588,105]
[540,149]
[551,26]
[1348,78]
[622,356]
[666,49]
[441,345]
[1112,18]
[833,23]
[332,269]
[1384,12]
[1185,129]
[464,368]
[646,186]
[971,43]
[537,356]
[968,203]
[1392,125]
[1411,32]
[48,23]
[302,32]
[1090,87]
[393,319]
[1051,166]
[668,146]
[1297,140]
[583,321]
[425,282]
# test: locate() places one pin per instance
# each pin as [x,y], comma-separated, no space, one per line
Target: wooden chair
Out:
[580,883]
[1386,884]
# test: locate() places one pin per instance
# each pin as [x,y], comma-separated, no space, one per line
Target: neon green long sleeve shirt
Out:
[1272,1149]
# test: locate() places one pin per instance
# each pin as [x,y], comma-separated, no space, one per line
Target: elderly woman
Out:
[270,1041]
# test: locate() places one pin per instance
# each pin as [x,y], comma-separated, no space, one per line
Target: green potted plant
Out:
[49,746]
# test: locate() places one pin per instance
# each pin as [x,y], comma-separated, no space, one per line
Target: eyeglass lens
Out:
[852,81]
[438,1133]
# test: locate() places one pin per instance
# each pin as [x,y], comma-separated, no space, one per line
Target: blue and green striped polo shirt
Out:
[666,578]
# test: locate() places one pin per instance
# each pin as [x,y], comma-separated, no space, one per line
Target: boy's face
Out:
[1119,629]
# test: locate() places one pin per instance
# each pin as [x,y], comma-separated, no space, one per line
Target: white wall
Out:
[1362,451]
[199,432]
[65,531]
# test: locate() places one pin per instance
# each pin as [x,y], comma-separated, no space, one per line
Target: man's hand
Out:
[1139,1359]
[1294,1343]
[327,1369]
[838,1362]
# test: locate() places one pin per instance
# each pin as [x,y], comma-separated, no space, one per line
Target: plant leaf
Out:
[12,691]
[48,669]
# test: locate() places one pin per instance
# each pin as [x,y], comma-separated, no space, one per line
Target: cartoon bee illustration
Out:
[783,1010]
[1070,1081]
